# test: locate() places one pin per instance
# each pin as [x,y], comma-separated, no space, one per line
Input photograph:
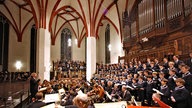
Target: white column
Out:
[91,57]
[43,53]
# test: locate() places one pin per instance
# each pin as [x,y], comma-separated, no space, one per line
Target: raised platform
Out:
[12,94]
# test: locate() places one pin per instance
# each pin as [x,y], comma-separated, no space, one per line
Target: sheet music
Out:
[109,96]
[158,91]
[129,87]
[51,98]
[42,89]
[80,92]
[61,91]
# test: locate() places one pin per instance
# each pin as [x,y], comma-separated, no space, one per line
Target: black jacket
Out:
[33,86]
[126,96]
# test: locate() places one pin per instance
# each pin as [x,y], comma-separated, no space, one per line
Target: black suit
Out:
[33,86]
[126,96]
[36,104]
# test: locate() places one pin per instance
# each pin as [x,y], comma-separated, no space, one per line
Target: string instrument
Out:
[84,100]
[97,92]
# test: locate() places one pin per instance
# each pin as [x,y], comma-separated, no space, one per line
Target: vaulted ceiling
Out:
[85,17]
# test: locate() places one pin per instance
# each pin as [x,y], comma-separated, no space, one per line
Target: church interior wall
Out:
[19,51]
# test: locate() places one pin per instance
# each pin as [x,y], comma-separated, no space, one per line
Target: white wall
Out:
[77,53]
[115,41]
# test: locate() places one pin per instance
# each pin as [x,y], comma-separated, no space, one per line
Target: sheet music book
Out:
[158,91]
[51,98]
[43,89]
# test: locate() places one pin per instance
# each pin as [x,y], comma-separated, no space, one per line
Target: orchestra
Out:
[121,82]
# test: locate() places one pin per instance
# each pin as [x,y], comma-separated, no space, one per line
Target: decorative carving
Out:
[174,24]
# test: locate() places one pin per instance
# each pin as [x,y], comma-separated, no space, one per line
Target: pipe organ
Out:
[145,15]
[133,29]
[174,8]
[160,22]
[159,13]
[188,7]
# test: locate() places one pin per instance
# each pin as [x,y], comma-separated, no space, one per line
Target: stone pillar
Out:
[91,57]
[43,54]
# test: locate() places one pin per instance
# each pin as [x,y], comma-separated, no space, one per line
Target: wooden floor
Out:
[11,92]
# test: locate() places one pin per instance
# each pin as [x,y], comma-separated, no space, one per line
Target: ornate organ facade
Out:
[157,29]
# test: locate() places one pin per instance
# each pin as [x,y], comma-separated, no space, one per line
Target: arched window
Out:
[66,42]
[4,43]
[33,49]
[107,44]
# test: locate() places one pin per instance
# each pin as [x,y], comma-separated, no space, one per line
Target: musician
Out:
[165,90]
[50,90]
[180,95]
[109,87]
[67,99]
[38,101]
[34,84]
[115,93]
[125,95]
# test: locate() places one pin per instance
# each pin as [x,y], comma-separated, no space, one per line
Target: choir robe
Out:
[166,94]
[181,95]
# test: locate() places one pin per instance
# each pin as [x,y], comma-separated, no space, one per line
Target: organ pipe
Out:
[188,7]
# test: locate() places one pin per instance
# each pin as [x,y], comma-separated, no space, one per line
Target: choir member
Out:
[165,90]
[149,89]
[171,80]
[180,95]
